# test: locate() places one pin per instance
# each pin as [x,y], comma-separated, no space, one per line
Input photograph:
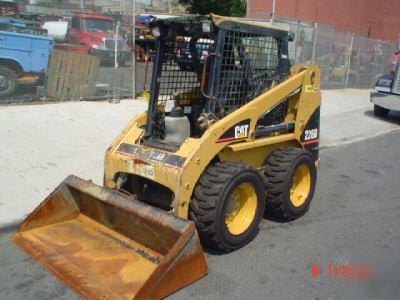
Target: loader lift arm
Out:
[233,131]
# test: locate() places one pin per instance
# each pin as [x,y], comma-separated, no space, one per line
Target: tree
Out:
[238,8]
[220,7]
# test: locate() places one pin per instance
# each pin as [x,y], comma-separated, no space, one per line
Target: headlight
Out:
[156,31]
[384,82]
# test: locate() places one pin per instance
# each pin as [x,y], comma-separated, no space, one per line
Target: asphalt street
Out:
[354,220]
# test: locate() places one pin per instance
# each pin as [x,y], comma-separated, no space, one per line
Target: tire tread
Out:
[275,175]
[206,196]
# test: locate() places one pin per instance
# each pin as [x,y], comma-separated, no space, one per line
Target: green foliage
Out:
[238,8]
[220,7]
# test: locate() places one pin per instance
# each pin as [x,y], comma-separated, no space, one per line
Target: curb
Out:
[358,139]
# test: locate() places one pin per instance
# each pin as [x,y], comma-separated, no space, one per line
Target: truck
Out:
[386,93]
[56,26]
[98,33]
[23,53]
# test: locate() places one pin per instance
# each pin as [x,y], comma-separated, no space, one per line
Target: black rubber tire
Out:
[278,172]
[210,197]
[380,111]
[12,81]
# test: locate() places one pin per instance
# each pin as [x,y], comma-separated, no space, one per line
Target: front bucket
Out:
[106,245]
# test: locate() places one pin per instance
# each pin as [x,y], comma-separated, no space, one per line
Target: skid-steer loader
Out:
[235,131]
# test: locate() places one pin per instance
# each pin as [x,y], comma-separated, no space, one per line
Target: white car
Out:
[386,93]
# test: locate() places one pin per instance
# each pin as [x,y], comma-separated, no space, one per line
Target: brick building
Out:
[378,19]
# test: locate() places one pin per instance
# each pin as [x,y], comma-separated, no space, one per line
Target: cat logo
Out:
[236,132]
[241,131]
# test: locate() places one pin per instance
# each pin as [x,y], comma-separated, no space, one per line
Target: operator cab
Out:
[205,68]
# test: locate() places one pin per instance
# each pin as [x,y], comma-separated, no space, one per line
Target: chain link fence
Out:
[57,50]
[347,60]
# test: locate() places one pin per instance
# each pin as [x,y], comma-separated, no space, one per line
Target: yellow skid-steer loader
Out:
[231,129]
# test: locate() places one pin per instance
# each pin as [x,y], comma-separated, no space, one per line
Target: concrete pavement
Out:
[354,218]
[347,116]
[42,144]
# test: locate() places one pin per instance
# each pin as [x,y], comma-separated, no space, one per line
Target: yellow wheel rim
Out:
[241,208]
[301,184]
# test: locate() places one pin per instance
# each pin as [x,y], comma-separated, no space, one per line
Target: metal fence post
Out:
[116,35]
[296,38]
[315,37]
[134,49]
[349,61]
[248,9]
[115,100]
[272,20]
[398,43]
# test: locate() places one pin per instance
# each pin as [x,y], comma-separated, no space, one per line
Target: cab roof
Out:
[220,20]
[263,28]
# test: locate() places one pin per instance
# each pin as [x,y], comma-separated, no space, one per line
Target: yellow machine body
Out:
[181,170]
[108,244]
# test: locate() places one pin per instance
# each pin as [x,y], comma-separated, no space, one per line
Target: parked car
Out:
[22,53]
[98,33]
[386,93]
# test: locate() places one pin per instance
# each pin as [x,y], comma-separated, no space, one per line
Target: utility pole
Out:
[248,9]
[398,42]
[116,45]
[134,48]
[349,61]
[273,12]
[315,38]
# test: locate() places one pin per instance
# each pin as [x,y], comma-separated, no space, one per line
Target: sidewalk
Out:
[43,144]
[347,116]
